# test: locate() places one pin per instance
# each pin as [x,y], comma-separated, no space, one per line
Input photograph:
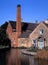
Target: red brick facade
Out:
[14,35]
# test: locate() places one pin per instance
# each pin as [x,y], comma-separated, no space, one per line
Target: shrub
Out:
[46,47]
[33,49]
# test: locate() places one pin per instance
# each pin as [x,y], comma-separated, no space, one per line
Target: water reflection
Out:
[2,57]
[42,61]
[15,57]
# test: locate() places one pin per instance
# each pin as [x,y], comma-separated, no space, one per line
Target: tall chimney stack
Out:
[18,23]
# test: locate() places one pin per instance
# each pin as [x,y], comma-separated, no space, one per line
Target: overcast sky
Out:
[31,10]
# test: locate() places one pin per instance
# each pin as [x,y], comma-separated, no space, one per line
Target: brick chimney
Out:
[18,23]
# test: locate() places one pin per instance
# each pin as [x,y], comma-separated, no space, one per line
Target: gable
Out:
[36,31]
[9,29]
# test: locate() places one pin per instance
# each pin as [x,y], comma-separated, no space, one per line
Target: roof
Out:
[13,24]
[27,28]
[25,34]
[46,24]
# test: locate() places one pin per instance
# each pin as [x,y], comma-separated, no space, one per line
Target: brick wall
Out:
[12,36]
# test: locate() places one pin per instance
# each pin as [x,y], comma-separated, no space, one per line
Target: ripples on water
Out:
[14,57]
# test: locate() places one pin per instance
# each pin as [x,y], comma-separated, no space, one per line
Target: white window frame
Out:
[41,31]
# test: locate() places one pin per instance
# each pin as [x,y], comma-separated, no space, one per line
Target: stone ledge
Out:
[28,52]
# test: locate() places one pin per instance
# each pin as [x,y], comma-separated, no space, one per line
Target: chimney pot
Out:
[19,5]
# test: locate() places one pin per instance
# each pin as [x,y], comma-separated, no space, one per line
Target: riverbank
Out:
[19,47]
[28,52]
[4,47]
[41,54]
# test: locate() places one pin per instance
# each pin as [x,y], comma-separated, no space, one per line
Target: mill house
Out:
[26,34]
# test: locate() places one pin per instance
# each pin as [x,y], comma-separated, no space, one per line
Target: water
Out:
[15,57]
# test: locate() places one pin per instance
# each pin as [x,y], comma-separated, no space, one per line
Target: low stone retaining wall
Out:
[43,54]
[28,52]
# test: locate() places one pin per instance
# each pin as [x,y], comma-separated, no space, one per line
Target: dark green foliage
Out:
[33,49]
[22,47]
[46,48]
[4,26]
[4,40]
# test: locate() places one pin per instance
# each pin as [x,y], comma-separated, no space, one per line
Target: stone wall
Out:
[24,42]
[36,33]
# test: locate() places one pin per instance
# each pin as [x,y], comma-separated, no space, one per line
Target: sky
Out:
[31,10]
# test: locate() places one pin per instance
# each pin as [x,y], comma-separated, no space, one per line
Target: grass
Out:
[1,46]
[22,47]
[33,49]
[46,48]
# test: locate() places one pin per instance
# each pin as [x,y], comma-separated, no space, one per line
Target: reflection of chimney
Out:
[18,23]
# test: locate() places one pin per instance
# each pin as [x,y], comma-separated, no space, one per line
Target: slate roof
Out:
[13,24]
[46,24]
[25,34]
[27,28]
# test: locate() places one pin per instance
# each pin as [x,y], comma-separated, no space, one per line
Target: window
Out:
[34,41]
[41,31]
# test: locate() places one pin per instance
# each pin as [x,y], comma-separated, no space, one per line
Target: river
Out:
[15,57]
